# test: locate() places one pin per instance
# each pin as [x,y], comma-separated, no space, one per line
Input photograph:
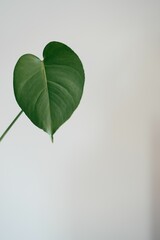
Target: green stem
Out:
[3,135]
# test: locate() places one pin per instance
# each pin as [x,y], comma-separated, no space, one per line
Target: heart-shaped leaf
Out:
[49,91]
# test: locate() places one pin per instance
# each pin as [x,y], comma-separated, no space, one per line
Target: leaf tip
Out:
[52,138]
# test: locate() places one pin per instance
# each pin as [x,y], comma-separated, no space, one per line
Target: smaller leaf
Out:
[49,91]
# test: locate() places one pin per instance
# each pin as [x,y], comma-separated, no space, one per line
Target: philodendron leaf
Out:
[49,90]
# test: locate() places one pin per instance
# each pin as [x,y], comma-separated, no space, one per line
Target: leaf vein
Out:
[63,65]
[65,89]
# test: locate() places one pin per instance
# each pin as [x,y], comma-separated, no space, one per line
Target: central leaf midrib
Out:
[45,78]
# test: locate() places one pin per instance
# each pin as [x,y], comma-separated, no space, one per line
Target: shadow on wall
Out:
[156,181]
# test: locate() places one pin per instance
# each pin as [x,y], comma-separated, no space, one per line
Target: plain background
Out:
[100,178]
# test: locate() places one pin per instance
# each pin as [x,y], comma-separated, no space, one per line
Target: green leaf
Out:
[49,91]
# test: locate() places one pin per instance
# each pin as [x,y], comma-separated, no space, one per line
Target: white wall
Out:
[96,181]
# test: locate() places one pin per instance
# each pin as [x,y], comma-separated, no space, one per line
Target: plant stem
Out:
[3,135]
